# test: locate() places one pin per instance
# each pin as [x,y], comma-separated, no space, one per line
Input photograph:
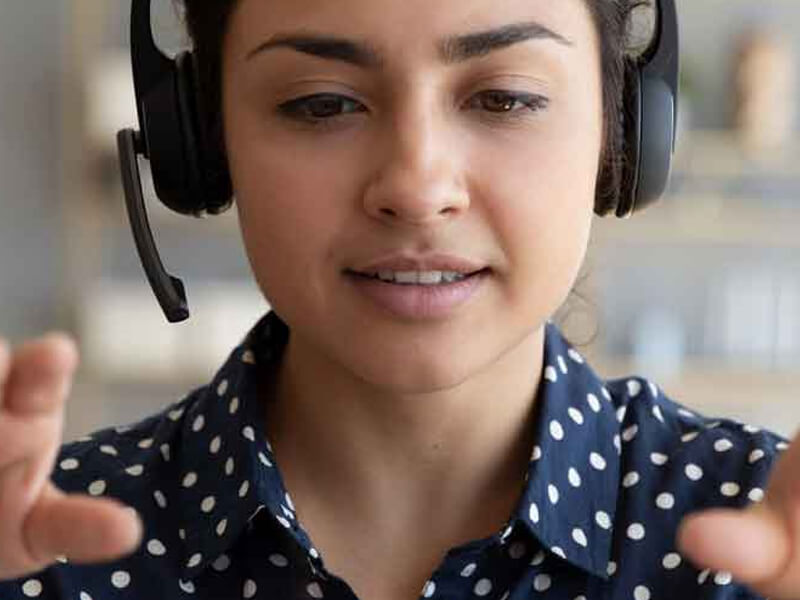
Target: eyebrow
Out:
[453,49]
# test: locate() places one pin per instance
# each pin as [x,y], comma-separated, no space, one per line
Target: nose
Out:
[418,179]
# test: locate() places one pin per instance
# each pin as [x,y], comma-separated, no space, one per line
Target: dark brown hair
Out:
[207,21]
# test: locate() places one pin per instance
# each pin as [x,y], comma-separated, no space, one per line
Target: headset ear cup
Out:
[632,135]
[194,192]
[657,138]
[207,151]
[165,132]
[215,162]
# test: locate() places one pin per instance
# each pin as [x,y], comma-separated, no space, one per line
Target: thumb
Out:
[82,528]
[751,544]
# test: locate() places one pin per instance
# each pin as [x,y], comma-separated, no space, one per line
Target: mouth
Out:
[419,295]
[419,278]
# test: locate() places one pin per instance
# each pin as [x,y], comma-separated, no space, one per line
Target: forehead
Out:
[400,29]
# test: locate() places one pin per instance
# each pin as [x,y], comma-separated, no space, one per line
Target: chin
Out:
[417,375]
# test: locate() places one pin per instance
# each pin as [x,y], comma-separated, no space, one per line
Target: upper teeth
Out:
[420,277]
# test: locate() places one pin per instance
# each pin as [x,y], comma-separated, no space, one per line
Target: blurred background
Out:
[700,293]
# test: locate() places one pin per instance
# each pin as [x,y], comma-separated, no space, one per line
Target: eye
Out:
[317,108]
[323,109]
[504,102]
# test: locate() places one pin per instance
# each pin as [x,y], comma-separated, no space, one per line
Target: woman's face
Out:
[416,147]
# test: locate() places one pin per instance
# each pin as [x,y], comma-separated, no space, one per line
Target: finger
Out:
[754,545]
[82,528]
[783,487]
[40,374]
[23,437]
[37,375]
[16,499]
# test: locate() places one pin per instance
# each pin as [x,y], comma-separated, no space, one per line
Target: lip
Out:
[418,302]
[427,262]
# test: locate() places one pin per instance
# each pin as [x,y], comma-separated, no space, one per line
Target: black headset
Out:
[191,177]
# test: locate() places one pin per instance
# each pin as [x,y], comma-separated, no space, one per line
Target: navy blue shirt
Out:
[615,466]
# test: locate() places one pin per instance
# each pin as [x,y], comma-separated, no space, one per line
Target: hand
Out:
[758,545]
[39,521]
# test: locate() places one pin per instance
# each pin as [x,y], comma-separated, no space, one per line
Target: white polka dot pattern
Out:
[671,560]
[613,466]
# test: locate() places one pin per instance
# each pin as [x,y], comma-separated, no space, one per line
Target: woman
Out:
[415,183]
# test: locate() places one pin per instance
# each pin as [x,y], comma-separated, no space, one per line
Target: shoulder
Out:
[118,460]
[656,429]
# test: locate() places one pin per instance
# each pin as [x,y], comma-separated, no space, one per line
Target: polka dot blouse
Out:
[615,466]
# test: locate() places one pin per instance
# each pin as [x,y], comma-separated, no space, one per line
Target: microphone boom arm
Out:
[169,290]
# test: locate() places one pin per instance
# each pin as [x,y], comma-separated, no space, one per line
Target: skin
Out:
[409,415]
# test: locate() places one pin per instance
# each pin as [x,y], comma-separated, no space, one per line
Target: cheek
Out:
[541,204]
[286,193]
[549,247]
[275,210]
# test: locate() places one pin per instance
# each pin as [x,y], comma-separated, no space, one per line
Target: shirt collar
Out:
[570,494]
[568,500]
[231,405]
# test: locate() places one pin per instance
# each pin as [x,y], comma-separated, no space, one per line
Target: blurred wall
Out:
[30,162]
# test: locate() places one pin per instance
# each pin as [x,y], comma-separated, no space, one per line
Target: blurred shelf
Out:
[718,152]
[125,338]
[738,383]
[758,396]
[95,404]
[707,220]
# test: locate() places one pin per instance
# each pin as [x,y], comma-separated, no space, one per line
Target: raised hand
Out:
[760,544]
[38,521]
